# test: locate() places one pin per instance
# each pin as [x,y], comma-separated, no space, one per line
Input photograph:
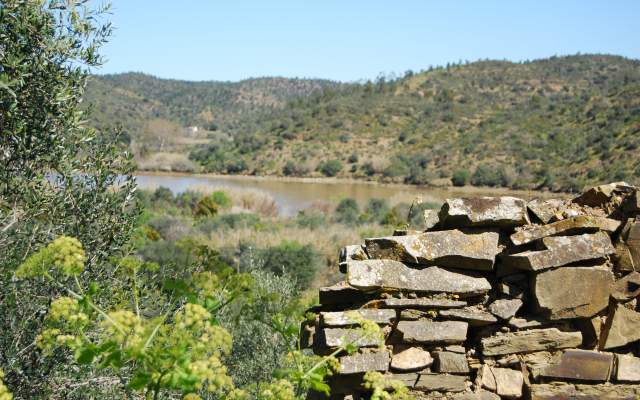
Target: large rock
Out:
[441,383]
[529,341]
[341,293]
[505,308]
[563,250]
[424,303]
[581,365]
[598,196]
[503,212]
[632,239]
[377,274]
[411,359]
[472,315]
[545,210]
[627,368]
[451,363]
[451,248]
[627,288]
[364,362]
[506,382]
[425,331]
[336,337]
[572,292]
[480,395]
[570,226]
[565,391]
[353,317]
[623,328]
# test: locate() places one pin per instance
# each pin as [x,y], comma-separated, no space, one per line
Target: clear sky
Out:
[352,39]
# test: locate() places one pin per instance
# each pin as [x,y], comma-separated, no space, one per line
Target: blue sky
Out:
[351,40]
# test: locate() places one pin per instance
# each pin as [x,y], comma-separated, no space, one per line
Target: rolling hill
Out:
[559,123]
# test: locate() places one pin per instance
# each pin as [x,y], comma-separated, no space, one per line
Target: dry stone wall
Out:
[498,299]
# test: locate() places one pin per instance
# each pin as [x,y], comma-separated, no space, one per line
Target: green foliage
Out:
[5,394]
[460,177]
[230,222]
[330,168]
[375,211]
[310,219]
[488,175]
[206,207]
[347,211]
[299,262]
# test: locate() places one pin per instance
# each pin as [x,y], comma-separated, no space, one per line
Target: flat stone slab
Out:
[341,293]
[584,392]
[572,292]
[627,288]
[349,253]
[529,341]
[354,317]
[545,210]
[505,308]
[451,363]
[627,368]
[411,359]
[569,226]
[524,323]
[433,304]
[473,316]
[378,274]
[503,212]
[625,328]
[364,362]
[504,381]
[425,331]
[598,196]
[441,383]
[480,395]
[451,248]
[581,365]
[563,250]
[336,337]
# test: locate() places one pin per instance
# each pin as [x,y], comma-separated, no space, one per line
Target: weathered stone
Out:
[627,288]
[307,334]
[623,328]
[623,259]
[563,250]
[529,341]
[408,380]
[524,323]
[451,363]
[441,383]
[505,308]
[504,212]
[581,365]
[598,196]
[570,226]
[474,316]
[451,248]
[336,337]
[352,317]
[572,292]
[411,359]
[545,210]
[454,348]
[432,304]
[506,382]
[627,368]
[481,395]
[425,331]
[431,219]
[375,274]
[414,315]
[564,391]
[350,253]
[363,362]
[632,239]
[341,293]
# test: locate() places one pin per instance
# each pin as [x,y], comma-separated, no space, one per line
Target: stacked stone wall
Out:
[498,298]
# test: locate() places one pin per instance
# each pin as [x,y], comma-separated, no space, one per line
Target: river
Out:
[294,195]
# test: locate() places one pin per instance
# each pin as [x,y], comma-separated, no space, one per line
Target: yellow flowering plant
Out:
[5,394]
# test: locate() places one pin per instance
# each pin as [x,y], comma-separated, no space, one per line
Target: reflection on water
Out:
[294,196]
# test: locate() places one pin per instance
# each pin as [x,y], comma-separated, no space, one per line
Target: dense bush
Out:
[460,177]
[310,219]
[330,168]
[229,222]
[347,212]
[292,259]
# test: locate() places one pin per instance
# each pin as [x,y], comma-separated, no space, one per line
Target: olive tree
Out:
[57,176]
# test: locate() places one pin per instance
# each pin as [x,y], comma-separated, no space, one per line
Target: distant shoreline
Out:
[468,189]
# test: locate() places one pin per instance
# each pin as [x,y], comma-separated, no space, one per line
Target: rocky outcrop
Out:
[497,299]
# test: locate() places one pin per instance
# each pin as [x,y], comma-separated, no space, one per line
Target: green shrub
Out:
[221,199]
[347,212]
[375,211]
[206,207]
[229,222]
[330,168]
[310,219]
[460,177]
[488,175]
[292,259]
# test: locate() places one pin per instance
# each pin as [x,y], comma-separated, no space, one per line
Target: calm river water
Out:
[292,196]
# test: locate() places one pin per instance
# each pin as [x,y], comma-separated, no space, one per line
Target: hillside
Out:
[557,123]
